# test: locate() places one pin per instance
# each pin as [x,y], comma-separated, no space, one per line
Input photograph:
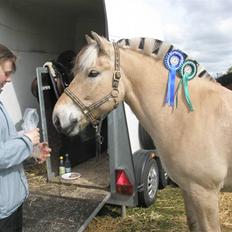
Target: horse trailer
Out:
[118,163]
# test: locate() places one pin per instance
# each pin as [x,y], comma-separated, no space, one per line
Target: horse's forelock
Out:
[86,58]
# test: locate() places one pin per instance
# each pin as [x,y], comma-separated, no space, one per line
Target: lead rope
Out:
[99,139]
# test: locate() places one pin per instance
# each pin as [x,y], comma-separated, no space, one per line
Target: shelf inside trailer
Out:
[94,173]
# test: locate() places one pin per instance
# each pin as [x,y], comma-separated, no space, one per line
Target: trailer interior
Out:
[38,31]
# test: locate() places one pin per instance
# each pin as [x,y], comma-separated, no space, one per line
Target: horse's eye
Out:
[93,73]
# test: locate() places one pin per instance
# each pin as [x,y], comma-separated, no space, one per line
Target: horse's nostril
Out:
[73,119]
[56,122]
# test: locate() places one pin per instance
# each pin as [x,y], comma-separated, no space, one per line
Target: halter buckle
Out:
[116,78]
[117,75]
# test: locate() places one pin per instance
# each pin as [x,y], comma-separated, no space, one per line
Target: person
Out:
[14,149]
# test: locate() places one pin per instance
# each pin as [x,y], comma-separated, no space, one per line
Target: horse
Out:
[226,80]
[193,137]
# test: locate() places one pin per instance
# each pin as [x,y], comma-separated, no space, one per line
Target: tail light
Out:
[123,184]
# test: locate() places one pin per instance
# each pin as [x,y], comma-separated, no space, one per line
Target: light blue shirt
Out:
[14,149]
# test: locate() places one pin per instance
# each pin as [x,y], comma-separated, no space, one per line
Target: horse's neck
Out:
[145,85]
[145,89]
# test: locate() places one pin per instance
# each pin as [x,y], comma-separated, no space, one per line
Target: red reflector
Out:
[123,184]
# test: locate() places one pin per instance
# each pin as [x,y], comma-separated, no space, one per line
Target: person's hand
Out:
[34,136]
[44,152]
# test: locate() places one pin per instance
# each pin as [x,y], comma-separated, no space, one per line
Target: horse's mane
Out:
[158,49]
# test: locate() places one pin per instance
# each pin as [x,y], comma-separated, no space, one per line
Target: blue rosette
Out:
[173,61]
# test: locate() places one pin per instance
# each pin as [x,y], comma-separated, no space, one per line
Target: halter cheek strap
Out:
[113,95]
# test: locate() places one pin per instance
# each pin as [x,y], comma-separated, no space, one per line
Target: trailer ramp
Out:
[60,207]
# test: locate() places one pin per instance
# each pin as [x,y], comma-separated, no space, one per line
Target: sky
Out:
[201,28]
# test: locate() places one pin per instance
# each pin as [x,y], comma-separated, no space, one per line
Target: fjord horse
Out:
[194,144]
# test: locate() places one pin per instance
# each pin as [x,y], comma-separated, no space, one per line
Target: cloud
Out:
[203,28]
[133,18]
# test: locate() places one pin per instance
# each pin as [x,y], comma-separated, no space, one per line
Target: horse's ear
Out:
[102,42]
[89,39]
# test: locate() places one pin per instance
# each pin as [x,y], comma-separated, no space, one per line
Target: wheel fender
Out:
[140,159]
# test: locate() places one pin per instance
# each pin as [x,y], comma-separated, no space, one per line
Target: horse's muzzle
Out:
[68,127]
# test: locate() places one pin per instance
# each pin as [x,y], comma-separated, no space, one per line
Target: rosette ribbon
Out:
[173,62]
[187,73]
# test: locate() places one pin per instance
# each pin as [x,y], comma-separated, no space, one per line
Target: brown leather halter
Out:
[113,95]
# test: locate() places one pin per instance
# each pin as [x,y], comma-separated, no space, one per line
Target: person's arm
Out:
[14,151]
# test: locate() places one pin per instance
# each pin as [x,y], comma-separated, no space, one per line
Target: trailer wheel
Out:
[147,143]
[150,180]
[145,139]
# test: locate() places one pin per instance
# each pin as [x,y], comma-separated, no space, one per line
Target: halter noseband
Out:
[88,110]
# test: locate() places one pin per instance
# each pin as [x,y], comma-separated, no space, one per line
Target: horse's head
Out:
[96,89]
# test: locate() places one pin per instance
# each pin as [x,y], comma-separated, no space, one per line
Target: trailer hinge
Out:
[46,87]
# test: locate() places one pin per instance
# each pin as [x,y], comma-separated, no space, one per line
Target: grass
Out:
[167,214]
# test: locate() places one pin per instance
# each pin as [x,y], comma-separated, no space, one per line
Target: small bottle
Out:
[61,166]
[67,164]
